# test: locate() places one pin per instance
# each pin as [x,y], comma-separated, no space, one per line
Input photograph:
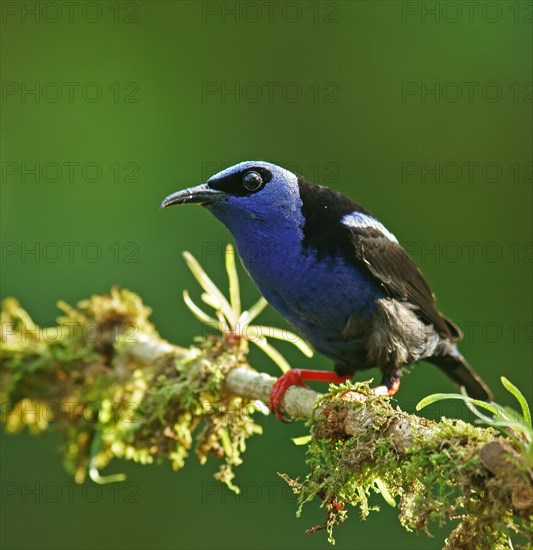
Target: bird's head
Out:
[251,191]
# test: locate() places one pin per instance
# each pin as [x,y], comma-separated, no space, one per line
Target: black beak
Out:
[201,194]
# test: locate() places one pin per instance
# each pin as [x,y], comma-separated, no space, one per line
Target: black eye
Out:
[252,180]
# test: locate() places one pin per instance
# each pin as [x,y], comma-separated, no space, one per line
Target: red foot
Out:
[394,387]
[296,377]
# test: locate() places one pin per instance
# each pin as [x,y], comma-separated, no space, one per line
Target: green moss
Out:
[187,402]
[432,469]
[82,380]
[74,379]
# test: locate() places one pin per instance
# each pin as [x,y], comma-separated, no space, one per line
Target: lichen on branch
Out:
[113,388]
[438,470]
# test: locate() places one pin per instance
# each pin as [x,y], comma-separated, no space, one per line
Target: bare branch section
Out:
[107,381]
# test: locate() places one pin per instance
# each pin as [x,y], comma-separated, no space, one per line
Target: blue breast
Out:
[317,295]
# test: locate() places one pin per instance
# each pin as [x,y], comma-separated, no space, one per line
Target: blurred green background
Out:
[422,116]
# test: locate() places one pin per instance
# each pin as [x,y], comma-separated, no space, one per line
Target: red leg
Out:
[296,377]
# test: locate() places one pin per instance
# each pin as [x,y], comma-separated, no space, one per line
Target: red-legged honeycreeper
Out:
[335,273]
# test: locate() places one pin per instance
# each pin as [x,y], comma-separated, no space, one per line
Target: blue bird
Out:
[335,273]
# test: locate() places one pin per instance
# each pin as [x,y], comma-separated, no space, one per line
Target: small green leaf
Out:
[209,286]
[430,399]
[233,277]
[511,388]
[249,315]
[282,334]
[302,440]
[94,474]
[226,443]
[197,312]
[385,492]
[210,300]
[273,353]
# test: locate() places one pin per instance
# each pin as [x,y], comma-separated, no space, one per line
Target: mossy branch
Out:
[107,381]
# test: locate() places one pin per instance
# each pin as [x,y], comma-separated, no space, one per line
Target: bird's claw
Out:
[292,377]
[296,377]
[280,415]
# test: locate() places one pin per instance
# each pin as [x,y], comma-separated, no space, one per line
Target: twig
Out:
[150,399]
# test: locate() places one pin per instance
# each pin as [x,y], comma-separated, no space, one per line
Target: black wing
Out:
[369,249]
[387,262]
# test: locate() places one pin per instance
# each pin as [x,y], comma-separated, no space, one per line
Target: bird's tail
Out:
[454,365]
